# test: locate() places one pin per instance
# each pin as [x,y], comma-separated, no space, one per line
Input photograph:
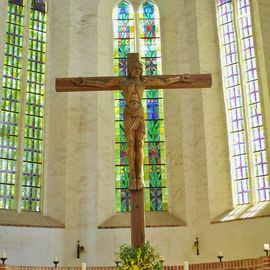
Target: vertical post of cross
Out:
[137,219]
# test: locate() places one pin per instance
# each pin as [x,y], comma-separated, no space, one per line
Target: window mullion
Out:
[245,105]
[23,90]
[136,28]
[3,22]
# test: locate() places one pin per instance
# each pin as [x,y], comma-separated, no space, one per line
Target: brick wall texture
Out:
[262,263]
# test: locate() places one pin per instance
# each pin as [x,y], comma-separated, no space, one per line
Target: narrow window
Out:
[22,106]
[154,148]
[249,167]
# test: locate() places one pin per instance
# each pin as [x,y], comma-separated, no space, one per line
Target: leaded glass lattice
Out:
[34,111]
[28,132]
[242,99]
[154,148]
[10,104]
[124,42]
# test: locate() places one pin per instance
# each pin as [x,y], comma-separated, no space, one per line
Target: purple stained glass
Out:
[125,200]
[151,66]
[123,67]
[258,139]
[243,6]
[16,2]
[238,133]
[230,53]
[228,33]
[221,2]
[234,97]
[263,188]
[156,199]
[39,5]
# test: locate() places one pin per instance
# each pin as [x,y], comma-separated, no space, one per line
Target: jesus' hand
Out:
[187,78]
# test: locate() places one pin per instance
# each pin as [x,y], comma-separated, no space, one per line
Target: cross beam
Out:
[68,85]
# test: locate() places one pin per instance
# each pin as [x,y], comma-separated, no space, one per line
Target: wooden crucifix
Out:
[133,86]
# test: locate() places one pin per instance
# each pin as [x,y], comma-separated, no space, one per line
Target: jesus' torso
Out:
[133,92]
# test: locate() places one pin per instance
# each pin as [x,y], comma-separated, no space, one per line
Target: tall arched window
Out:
[22,105]
[248,158]
[148,39]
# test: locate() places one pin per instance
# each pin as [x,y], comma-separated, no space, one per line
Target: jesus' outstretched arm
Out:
[160,83]
[99,84]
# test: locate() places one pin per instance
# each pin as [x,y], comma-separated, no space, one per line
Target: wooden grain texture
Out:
[67,84]
[137,218]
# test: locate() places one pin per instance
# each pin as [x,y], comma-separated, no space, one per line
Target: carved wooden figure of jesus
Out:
[134,126]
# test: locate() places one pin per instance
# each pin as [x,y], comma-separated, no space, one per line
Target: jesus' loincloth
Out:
[134,122]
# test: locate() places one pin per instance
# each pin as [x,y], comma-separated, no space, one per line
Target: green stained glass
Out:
[34,111]
[154,147]
[34,105]
[124,43]
[10,104]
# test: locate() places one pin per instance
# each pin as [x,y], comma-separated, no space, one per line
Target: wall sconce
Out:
[196,245]
[3,257]
[266,249]
[55,261]
[80,249]
[220,256]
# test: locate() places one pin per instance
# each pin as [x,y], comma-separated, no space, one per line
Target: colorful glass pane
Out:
[234,103]
[16,2]
[34,111]
[154,147]
[244,139]
[124,42]
[10,104]
[254,112]
[39,5]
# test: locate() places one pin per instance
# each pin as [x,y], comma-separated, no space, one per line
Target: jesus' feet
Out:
[140,183]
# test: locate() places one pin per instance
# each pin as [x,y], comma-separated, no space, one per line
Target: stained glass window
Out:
[22,111]
[124,42]
[249,166]
[154,147]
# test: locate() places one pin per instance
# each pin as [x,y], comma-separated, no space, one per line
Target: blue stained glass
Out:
[123,67]
[152,109]
[149,10]
[122,105]
[123,11]
[151,66]
[156,199]
[125,201]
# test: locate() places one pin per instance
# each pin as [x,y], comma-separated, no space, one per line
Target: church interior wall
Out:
[79,170]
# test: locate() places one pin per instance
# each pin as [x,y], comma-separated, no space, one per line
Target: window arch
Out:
[22,105]
[125,37]
[247,147]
